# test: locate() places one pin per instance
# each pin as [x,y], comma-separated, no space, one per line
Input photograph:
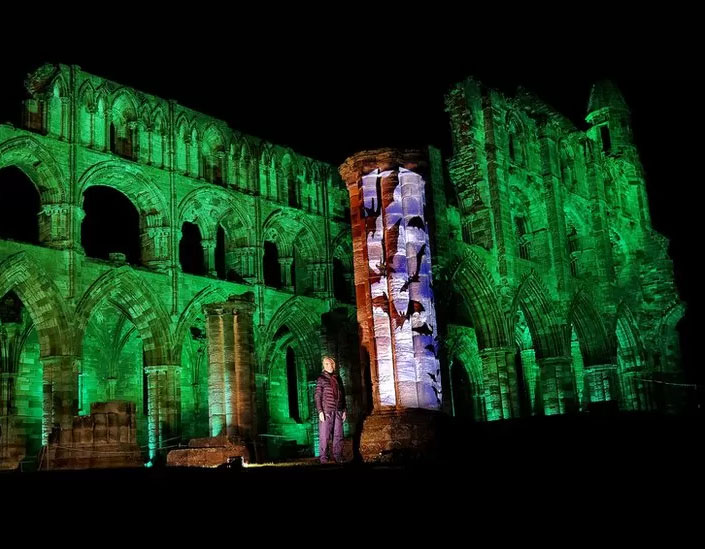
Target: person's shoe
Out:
[324,461]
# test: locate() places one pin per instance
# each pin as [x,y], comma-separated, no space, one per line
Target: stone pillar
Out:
[163,406]
[242,260]
[286,275]
[557,385]
[318,275]
[531,378]
[602,385]
[208,245]
[65,116]
[231,368]
[55,226]
[499,382]
[60,394]
[155,247]
[248,263]
[633,394]
[396,314]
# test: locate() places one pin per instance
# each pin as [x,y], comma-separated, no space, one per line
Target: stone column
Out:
[208,245]
[286,276]
[60,394]
[602,385]
[499,382]
[242,260]
[231,367]
[155,247]
[632,391]
[557,385]
[396,313]
[318,275]
[248,263]
[55,226]
[163,406]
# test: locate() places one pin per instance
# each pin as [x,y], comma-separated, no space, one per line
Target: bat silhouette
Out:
[382,301]
[392,237]
[371,214]
[414,307]
[417,222]
[376,208]
[415,277]
[438,392]
[424,329]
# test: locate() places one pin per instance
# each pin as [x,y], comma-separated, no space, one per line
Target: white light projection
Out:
[400,286]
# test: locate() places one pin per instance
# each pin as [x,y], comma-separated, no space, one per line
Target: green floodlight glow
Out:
[552,292]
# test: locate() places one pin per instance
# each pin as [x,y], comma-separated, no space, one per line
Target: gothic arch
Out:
[124,105]
[548,332]
[158,120]
[213,138]
[467,273]
[38,164]
[628,336]
[303,323]
[209,294]
[87,95]
[130,181]
[124,288]
[285,228]
[207,206]
[47,308]
[667,335]
[517,139]
[596,343]
[342,247]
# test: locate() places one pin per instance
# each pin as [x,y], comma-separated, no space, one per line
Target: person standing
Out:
[332,412]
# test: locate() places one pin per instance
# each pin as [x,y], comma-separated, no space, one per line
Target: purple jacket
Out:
[330,393]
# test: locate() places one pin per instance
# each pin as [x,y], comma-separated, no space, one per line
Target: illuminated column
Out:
[395,308]
[55,226]
[318,275]
[163,406]
[531,376]
[208,245]
[231,379]
[602,383]
[155,247]
[286,276]
[501,398]
[632,390]
[242,260]
[248,263]
[11,337]
[557,385]
[60,394]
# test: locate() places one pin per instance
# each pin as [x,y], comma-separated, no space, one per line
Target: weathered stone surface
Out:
[401,436]
[107,438]
[208,452]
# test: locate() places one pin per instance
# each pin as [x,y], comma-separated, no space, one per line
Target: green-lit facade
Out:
[554,294]
[113,330]
[559,295]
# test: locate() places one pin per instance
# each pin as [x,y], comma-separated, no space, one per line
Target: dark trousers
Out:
[332,427]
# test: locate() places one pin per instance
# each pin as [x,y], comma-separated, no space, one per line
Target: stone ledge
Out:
[208,452]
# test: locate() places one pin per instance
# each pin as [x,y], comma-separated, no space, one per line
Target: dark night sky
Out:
[330,102]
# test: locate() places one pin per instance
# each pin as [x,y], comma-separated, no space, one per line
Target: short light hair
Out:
[328,358]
